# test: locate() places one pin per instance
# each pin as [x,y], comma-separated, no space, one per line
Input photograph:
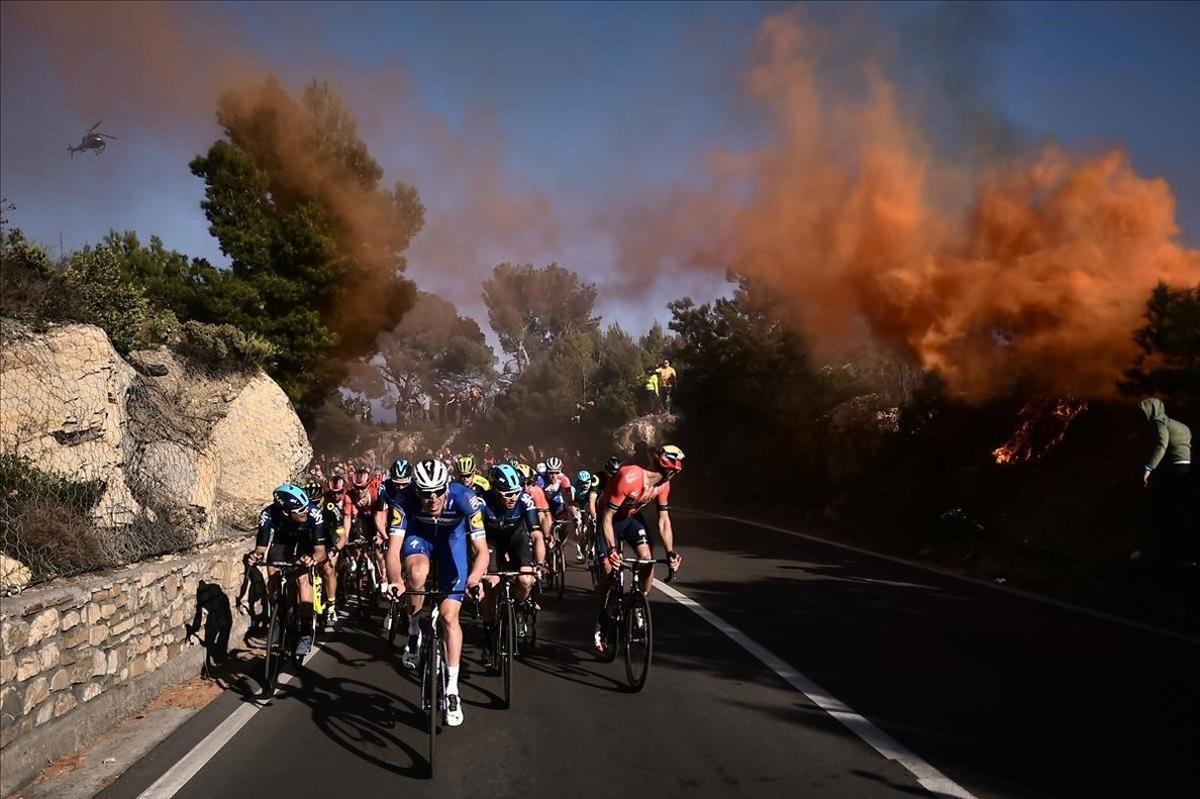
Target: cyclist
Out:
[621,521]
[586,488]
[542,534]
[392,491]
[464,472]
[560,496]
[291,530]
[435,522]
[364,494]
[337,511]
[510,517]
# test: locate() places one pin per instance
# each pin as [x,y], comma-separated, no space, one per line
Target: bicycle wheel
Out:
[612,629]
[273,654]
[560,566]
[506,621]
[639,639]
[527,617]
[398,619]
[433,686]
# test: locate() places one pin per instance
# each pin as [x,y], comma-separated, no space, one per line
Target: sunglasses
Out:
[511,494]
[431,494]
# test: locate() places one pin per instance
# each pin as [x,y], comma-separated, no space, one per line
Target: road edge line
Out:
[927,776]
[1058,603]
[171,781]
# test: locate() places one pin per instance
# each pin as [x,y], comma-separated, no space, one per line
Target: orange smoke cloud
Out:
[851,214]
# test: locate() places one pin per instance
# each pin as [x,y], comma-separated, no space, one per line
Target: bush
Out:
[223,347]
[45,519]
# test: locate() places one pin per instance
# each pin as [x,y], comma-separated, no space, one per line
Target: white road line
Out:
[187,766]
[930,778]
[1058,603]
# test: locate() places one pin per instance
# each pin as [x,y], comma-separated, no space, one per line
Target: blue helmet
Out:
[584,477]
[401,470]
[505,478]
[291,498]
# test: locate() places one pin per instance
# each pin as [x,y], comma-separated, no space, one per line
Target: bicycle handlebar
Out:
[629,563]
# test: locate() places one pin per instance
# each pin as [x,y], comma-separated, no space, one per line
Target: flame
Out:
[1041,429]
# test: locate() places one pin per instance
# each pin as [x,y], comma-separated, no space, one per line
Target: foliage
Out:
[1169,363]
[743,369]
[32,283]
[433,349]
[314,240]
[530,308]
[223,347]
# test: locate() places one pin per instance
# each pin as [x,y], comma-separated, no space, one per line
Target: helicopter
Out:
[92,140]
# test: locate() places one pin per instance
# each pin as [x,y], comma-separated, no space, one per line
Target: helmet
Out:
[525,472]
[515,463]
[612,465]
[540,468]
[401,470]
[336,484]
[584,477]
[505,479]
[362,477]
[669,458]
[553,464]
[431,475]
[291,498]
[464,465]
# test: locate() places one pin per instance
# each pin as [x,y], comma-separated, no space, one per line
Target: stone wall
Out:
[78,656]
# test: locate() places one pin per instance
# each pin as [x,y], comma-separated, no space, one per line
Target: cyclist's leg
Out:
[639,537]
[451,554]
[520,558]
[415,554]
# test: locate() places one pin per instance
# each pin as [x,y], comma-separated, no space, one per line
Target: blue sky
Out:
[563,109]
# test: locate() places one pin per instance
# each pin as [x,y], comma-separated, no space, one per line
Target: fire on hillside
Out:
[1043,425]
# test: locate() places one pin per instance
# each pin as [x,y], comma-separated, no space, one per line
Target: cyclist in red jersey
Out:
[621,520]
[541,535]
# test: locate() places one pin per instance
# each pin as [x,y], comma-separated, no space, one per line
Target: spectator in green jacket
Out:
[1170,464]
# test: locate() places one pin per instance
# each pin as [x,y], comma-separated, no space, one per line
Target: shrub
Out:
[223,347]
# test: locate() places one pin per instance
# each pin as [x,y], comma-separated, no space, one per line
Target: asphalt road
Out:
[1004,695]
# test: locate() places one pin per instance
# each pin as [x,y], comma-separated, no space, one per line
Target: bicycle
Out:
[283,631]
[505,638]
[629,621]
[433,667]
[556,576]
[359,573]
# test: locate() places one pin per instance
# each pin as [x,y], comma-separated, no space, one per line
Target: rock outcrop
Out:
[645,431]
[169,443]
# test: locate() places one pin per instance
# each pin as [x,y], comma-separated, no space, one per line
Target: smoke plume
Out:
[1042,271]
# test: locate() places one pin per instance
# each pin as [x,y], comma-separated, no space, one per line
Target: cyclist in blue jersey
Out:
[291,530]
[435,522]
[510,518]
[395,486]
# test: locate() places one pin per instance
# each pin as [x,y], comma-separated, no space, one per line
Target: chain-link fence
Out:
[104,460]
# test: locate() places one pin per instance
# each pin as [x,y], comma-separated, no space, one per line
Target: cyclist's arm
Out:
[266,529]
[479,543]
[606,527]
[395,530]
[592,505]
[665,533]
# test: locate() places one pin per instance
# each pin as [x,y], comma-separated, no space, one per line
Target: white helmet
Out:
[553,464]
[540,468]
[431,475]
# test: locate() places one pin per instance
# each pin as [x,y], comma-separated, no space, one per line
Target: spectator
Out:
[1170,481]
[650,394]
[666,383]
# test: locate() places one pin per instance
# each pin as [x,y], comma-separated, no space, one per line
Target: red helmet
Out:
[336,484]
[669,458]
[362,477]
